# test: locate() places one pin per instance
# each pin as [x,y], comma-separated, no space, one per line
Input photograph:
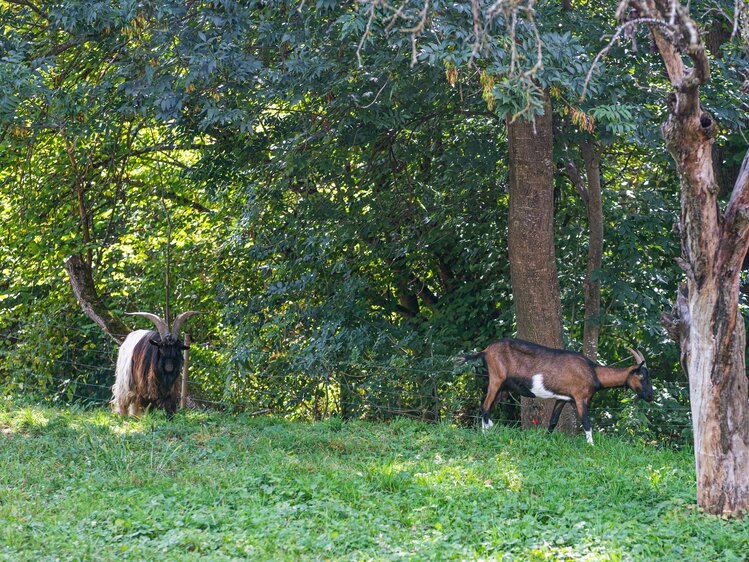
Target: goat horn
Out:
[160,324]
[637,355]
[177,325]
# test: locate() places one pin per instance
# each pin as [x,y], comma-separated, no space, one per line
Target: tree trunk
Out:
[712,331]
[717,394]
[594,208]
[535,285]
[707,319]
[82,281]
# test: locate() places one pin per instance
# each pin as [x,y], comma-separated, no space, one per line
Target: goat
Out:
[148,367]
[537,371]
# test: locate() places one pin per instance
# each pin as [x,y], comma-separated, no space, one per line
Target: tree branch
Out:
[26,4]
[694,48]
[176,197]
[621,29]
[573,174]
[735,235]
[84,288]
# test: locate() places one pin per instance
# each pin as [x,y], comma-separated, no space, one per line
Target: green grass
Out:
[85,485]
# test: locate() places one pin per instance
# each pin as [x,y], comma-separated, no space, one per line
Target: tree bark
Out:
[594,209]
[535,285]
[82,281]
[713,338]
[706,316]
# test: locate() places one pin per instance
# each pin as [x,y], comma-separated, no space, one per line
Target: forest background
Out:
[331,187]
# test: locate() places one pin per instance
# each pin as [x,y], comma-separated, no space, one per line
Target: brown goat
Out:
[148,367]
[541,372]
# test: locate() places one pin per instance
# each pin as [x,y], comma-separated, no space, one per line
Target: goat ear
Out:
[641,365]
[154,341]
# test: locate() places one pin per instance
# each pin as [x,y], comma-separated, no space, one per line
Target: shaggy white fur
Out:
[122,393]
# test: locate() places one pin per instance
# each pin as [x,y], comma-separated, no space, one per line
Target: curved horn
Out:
[160,324]
[637,355]
[177,325]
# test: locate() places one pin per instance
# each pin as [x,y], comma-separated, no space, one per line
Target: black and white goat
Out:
[542,372]
[148,367]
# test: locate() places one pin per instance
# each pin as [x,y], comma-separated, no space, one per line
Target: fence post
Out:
[435,391]
[185,363]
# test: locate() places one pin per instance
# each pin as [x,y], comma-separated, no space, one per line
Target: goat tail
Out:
[122,390]
[463,359]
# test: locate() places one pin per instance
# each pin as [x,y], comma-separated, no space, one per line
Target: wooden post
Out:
[185,363]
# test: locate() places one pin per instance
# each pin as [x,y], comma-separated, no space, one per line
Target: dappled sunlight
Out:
[104,421]
[128,427]
[23,420]
[588,551]
[102,417]
[506,471]
[391,477]
[40,419]
[449,474]
[196,415]
[215,484]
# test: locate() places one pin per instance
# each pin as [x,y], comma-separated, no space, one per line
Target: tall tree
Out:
[590,192]
[594,212]
[706,316]
[530,240]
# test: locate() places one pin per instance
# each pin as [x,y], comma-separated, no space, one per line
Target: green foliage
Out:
[89,486]
[340,213]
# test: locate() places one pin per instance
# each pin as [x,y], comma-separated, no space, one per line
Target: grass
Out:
[85,485]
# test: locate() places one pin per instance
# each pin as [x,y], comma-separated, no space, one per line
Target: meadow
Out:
[81,484]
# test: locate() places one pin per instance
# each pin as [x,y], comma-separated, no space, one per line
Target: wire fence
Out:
[430,388]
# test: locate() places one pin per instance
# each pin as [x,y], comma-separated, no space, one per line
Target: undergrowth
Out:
[86,485]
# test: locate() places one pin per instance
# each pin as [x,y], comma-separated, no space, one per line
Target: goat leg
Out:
[555,413]
[582,412]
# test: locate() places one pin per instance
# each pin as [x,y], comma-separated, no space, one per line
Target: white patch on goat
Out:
[486,424]
[123,374]
[589,436]
[540,391]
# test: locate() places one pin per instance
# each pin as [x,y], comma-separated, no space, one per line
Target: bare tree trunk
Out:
[706,316]
[712,337]
[82,281]
[535,285]
[590,193]
[594,208]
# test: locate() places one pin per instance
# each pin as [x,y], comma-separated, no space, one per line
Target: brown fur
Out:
[148,367]
[565,373]
[151,388]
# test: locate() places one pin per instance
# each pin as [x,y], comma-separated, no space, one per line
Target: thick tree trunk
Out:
[720,416]
[713,248]
[713,339]
[82,281]
[594,208]
[535,286]
[707,319]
